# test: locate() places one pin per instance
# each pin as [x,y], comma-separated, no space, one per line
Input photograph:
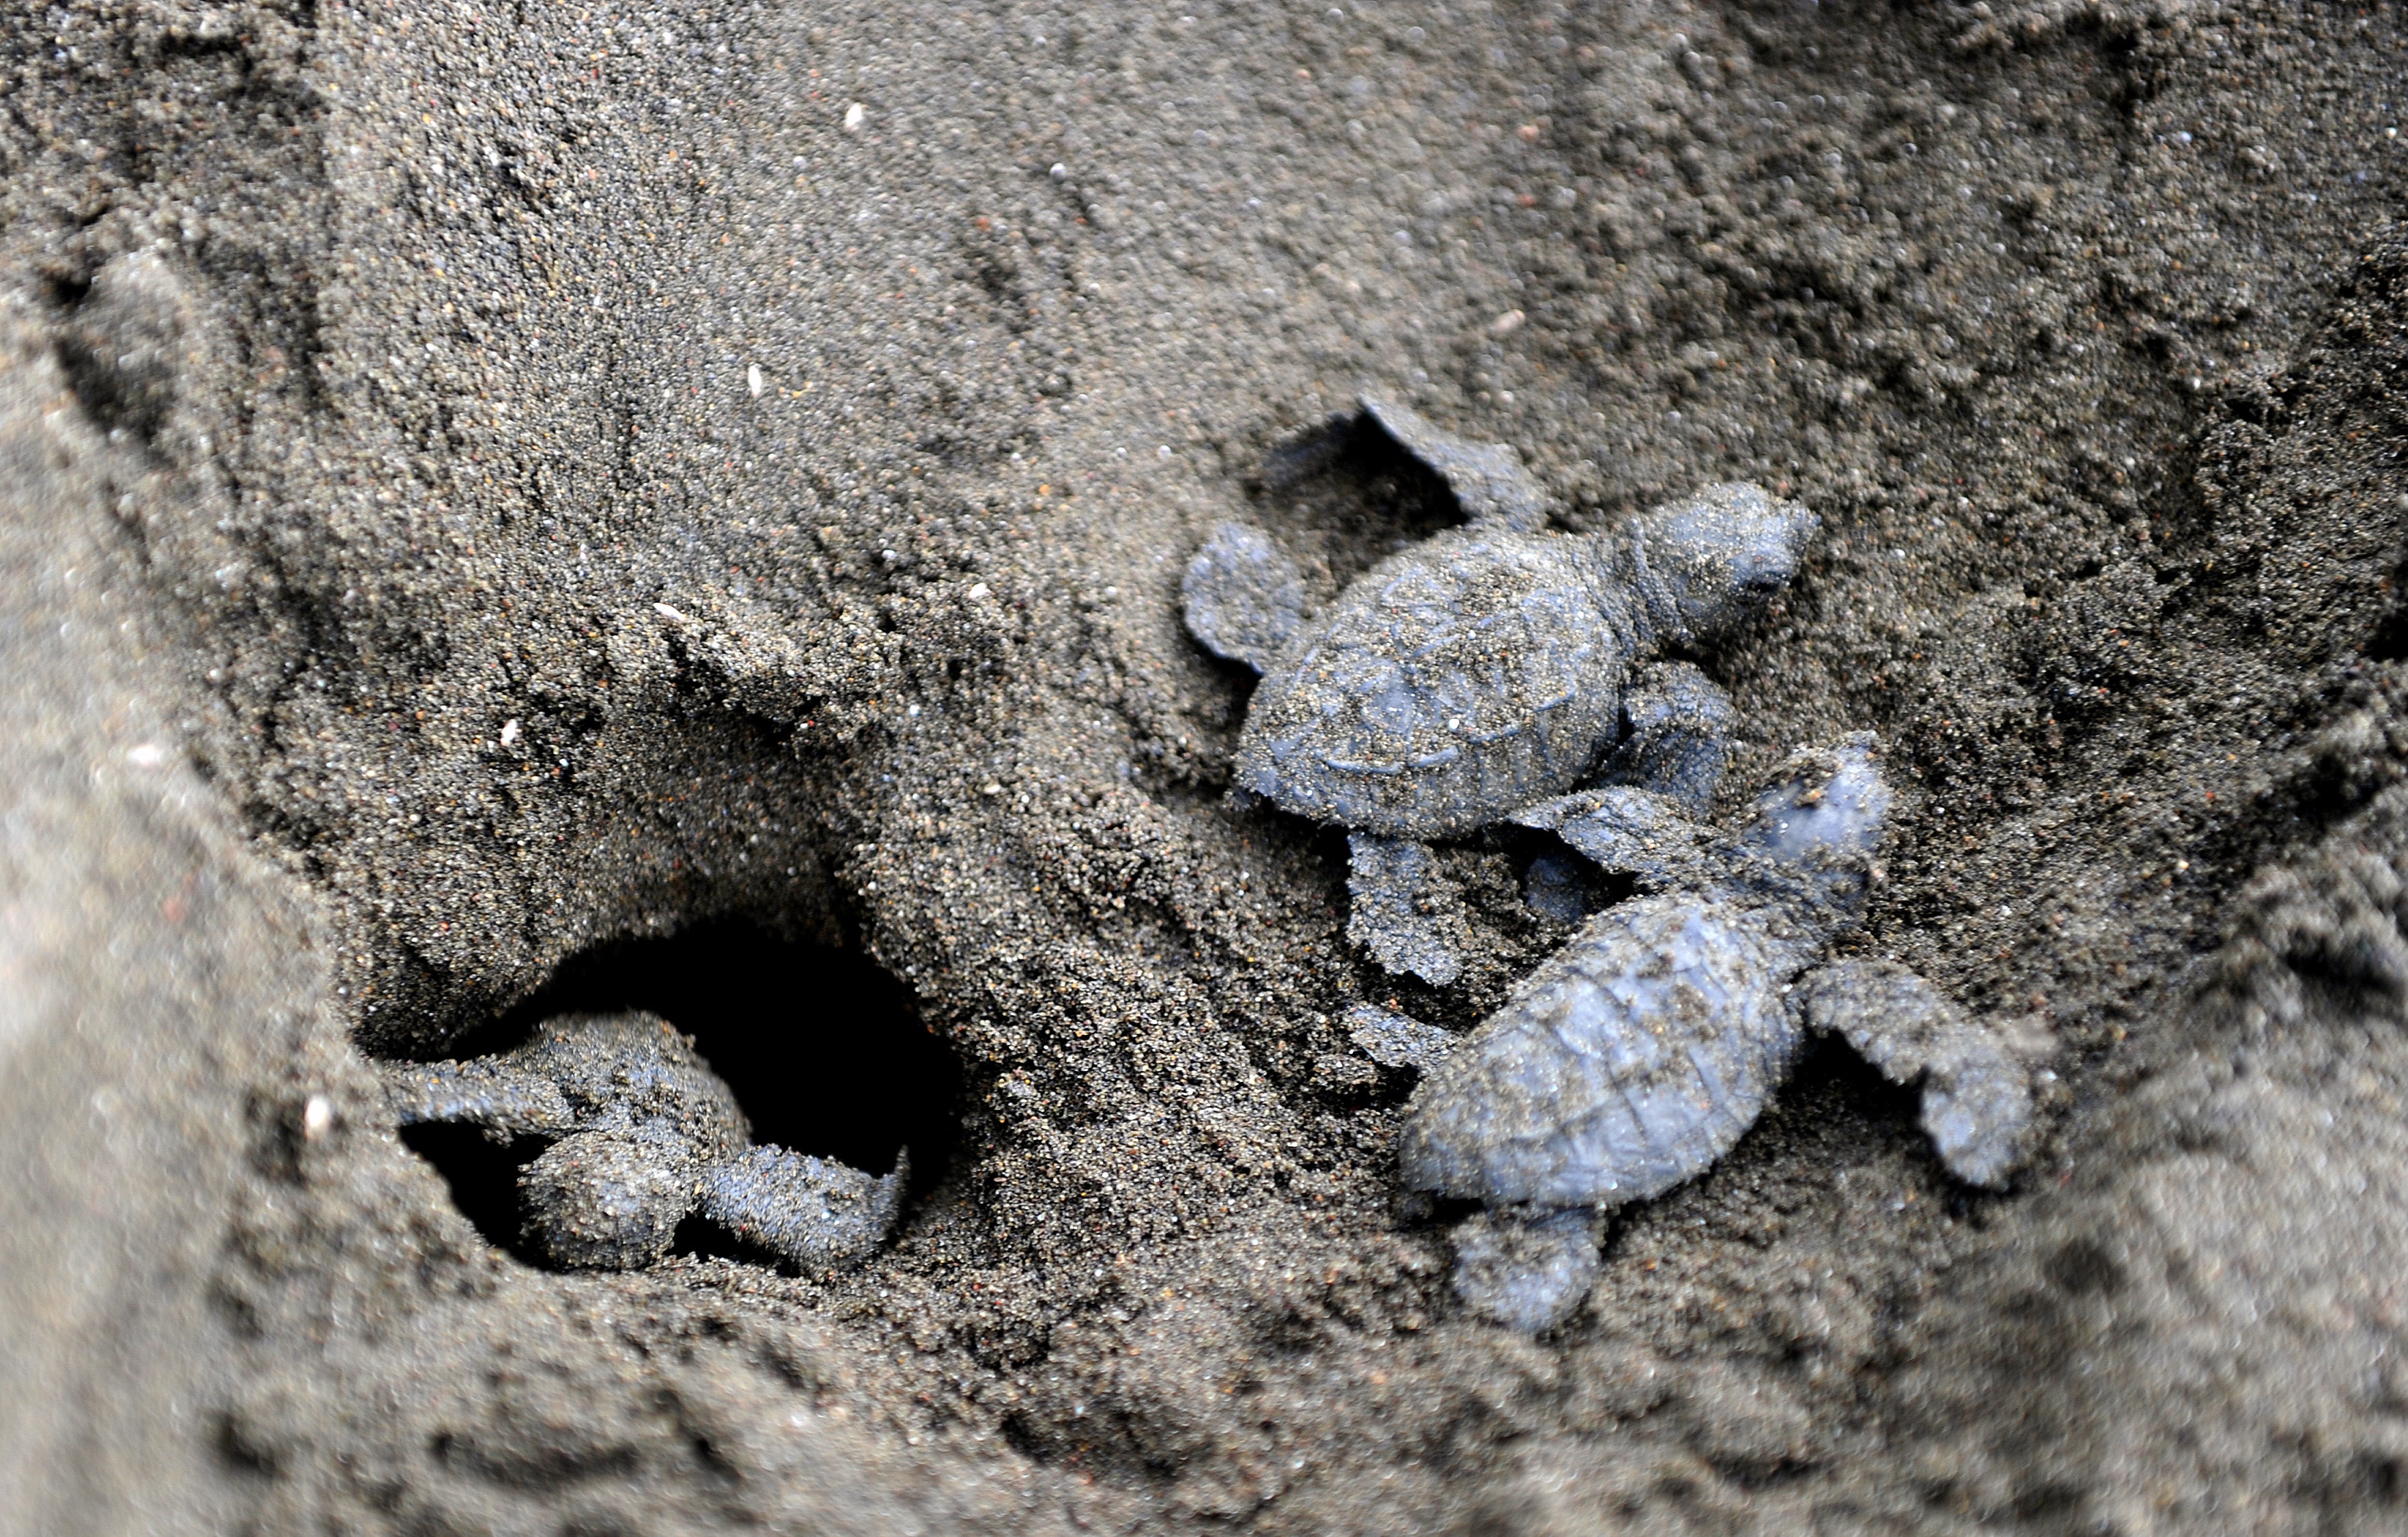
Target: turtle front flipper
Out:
[1487,479]
[1402,908]
[498,1096]
[1243,598]
[1680,733]
[1526,1271]
[814,1214]
[1642,833]
[1976,1089]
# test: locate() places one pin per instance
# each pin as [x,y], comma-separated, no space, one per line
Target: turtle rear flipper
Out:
[1400,907]
[1243,598]
[1526,1271]
[1488,480]
[1976,1090]
[1398,1041]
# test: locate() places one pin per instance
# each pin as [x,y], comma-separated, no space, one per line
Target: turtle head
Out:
[1707,564]
[1815,833]
[1825,803]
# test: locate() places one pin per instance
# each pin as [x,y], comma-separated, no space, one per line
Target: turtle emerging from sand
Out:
[640,1135]
[1485,668]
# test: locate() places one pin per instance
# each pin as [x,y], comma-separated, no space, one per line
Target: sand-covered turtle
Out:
[641,1135]
[1637,1055]
[1485,668]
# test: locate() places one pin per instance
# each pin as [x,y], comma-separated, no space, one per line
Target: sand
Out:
[512,507]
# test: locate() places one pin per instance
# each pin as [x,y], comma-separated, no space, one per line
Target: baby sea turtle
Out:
[1485,668]
[642,1134]
[1637,1055]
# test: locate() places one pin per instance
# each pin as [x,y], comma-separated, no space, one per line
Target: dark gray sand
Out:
[487,482]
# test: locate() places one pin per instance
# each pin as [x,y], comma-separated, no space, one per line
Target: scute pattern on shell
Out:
[1462,678]
[1630,1061]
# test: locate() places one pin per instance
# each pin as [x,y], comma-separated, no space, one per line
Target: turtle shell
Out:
[1476,672]
[1632,1060]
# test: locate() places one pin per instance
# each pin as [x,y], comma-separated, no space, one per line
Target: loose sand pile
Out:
[514,506]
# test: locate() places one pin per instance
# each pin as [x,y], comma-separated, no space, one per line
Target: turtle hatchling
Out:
[641,1135]
[1485,668]
[1637,1055]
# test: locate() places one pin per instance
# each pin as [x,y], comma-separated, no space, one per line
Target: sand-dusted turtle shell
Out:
[1484,669]
[1477,671]
[1640,1053]
[1489,666]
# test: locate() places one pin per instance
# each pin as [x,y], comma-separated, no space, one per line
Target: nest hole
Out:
[482,1174]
